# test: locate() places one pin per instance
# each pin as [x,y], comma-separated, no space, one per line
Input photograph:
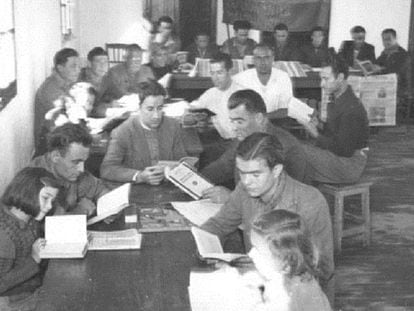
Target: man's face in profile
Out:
[70,164]
[220,75]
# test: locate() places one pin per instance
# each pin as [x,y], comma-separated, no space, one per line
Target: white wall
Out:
[37,25]
[106,21]
[374,16]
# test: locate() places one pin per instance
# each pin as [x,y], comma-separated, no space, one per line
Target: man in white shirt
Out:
[272,84]
[215,99]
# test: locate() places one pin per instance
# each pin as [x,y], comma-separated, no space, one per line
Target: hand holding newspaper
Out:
[299,111]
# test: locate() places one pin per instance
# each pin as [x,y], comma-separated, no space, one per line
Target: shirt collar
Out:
[61,82]
[145,127]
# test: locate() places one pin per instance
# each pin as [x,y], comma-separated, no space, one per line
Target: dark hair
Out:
[251,100]
[242,24]
[165,19]
[61,137]
[23,190]
[222,58]
[61,57]
[390,31]
[96,51]
[150,88]
[358,29]
[337,63]
[281,26]
[201,33]
[284,232]
[132,48]
[263,46]
[317,28]
[263,146]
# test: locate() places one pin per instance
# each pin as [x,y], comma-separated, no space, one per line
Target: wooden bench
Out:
[339,193]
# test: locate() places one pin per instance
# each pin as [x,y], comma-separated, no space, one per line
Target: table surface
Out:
[154,278]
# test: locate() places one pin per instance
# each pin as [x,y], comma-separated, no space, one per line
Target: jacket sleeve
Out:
[112,167]
[178,144]
[228,218]
[295,163]
[11,274]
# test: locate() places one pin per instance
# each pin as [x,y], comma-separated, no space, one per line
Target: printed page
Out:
[206,242]
[198,212]
[106,240]
[65,229]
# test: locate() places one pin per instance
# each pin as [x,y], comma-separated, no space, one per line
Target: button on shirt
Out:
[276,93]
[216,101]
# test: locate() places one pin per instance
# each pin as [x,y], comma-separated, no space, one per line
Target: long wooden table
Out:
[154,278]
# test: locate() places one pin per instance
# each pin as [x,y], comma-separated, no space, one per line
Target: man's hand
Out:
[86,206]
[217,194]
[36,247]
[152,175]
[312,126]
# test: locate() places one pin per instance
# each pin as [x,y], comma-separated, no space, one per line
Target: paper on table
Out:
[107,240]
[198,212]
[111,203]
[165,80]
[299,110]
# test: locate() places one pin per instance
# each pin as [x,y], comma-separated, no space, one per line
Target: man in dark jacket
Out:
[357,49]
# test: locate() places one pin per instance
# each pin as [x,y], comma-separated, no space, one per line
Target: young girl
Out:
[26,201]
[285,258]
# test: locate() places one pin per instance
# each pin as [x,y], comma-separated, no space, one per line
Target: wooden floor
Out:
[381,277]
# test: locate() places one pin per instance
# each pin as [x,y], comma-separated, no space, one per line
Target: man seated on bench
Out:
[138,144]
[247,112]
[264,186]
[339,153]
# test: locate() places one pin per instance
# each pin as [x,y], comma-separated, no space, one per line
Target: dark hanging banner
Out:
[298,15]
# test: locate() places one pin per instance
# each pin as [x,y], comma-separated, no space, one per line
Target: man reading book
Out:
[264,186]
[247,112]
[140,143]
[68,149]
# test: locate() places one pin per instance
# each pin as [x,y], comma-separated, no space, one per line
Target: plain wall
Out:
[37,29]
[107,21]
[374,16]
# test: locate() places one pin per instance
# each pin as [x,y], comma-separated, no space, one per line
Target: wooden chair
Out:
[116,53]
[339,193]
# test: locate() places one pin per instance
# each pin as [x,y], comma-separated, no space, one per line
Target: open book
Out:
[366,66]
[111,203]
[65,237]
[188,180]
[114,240]
[198,212]
[209,247]
[171,164]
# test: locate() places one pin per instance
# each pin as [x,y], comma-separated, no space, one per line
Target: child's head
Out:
[279,245]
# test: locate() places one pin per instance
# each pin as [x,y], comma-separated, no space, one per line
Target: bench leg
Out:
[338,222]
[367,218]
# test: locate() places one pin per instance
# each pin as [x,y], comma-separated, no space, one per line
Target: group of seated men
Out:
[243,104]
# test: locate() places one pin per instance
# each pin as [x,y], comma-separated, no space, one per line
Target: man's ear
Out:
[277,170]
[260,118]
[55,155]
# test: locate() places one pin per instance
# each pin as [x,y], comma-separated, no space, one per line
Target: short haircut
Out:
[23,190]
[289,244]
[242,24]
[133,48]
[281,26]
[96,51]
[61,137]
[222,58]
[150,88]
[390,31]
[201,33]
[62,56]
[358,29]
[337,63]
[251,100]
[263,46]
[263,146]
[165,19]
[317,28]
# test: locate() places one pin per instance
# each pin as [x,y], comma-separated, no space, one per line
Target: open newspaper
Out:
[65,237]
[114,240]
[299,111]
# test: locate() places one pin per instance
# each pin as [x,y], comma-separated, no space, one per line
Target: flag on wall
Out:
[298,15]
